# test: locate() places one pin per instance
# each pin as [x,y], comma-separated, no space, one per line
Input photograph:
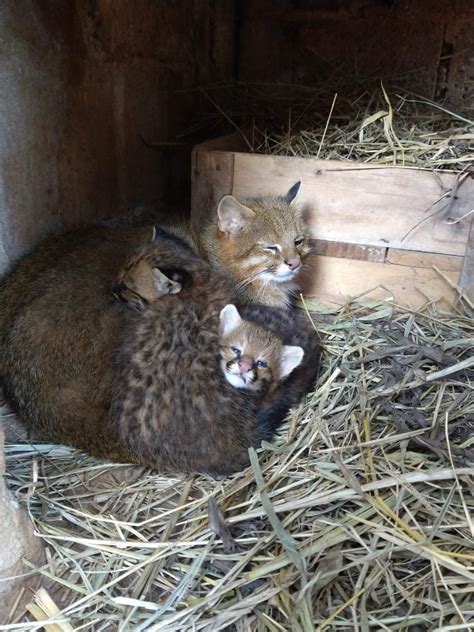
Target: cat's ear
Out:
[290,358]
[232,215]
[293,193]
[229,319]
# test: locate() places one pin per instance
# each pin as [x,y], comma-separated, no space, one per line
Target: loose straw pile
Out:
[375,125]
[358,517]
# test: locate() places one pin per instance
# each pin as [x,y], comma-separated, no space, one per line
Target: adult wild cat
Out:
[61,326]
[260,244]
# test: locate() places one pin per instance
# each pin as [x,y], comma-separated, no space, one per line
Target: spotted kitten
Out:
[252,357]
[141,282]
[172,405]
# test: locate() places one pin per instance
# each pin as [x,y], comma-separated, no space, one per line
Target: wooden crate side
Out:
[392,207]
[413,258]
[212,177]
[450,263]
[335,280]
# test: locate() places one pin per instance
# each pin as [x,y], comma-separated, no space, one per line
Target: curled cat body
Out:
[171,399]
[61,328]
[60,324]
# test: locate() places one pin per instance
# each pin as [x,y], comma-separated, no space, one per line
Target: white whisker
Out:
[263,287]
[243,284]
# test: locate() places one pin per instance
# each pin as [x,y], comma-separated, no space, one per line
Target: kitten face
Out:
[266,239]
[141,282]
[252,357]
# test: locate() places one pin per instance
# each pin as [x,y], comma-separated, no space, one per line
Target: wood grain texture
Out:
[452,263]
[426,45]
[349,202]
[211,178]
[335,280]
[95,98]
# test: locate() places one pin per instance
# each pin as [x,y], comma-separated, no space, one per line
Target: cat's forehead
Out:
[255,338]
[274,216]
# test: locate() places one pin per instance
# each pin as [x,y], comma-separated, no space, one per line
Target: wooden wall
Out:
[96,94]
[425,45]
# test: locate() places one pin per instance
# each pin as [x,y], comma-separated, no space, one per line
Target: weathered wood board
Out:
[336,280]
[373,226]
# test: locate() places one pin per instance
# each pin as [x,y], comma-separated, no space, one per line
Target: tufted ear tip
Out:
[293,192]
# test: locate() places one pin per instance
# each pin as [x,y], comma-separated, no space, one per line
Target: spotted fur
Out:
[82,369]
[171,404]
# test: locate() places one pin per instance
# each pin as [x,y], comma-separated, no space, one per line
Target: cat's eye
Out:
[299,241]
[273,248]
[261,364]
[236,351]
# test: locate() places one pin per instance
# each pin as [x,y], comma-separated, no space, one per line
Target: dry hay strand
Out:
[358,517]
[373,125]
[411,132]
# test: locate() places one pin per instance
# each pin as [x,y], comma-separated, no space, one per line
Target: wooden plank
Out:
[212,177]
[412,258]
[466,280]
[417,259]
[335,280]
[378,206]
[348,251]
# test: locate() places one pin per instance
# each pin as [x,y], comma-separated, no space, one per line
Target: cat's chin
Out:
[286,277]
[237,381]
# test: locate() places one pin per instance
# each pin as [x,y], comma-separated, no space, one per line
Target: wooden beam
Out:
[348,251]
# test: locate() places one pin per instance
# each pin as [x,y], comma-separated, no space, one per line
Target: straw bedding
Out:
[358,517]
[368,125]
[412,132]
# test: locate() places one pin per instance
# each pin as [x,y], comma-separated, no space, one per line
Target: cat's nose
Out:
[293,262]
[245,364]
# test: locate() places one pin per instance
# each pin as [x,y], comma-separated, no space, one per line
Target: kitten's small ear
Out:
[229,319]
[291,357]
[232,215]
[292,194]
